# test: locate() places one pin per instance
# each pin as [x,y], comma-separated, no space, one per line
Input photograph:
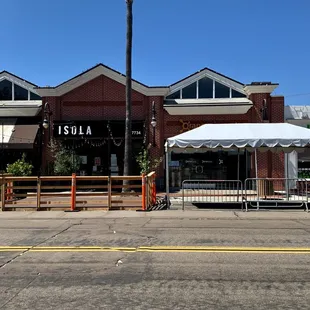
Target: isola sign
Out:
[73,130]
[95,129]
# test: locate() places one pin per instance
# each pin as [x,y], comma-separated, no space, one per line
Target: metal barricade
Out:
[276,192]
[212,192]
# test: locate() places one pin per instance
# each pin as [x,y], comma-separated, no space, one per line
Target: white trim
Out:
[212,75]
[20,103]
[94,73]
[17,81]
[13,91]
[210,101]
[217,106]
[197,89]
[259,89]
[206,109]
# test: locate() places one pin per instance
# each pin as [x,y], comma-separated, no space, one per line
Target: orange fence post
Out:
[73,192]
[143,192]
[9,190]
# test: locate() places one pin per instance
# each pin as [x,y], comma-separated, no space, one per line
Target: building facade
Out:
[95,101]
[88,116]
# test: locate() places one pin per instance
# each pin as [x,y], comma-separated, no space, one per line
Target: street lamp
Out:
[153,122]
[47,116]
[44,125]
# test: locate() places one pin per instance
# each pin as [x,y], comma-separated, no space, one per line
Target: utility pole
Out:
[128,138]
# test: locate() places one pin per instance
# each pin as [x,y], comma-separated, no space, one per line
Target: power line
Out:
[297,95]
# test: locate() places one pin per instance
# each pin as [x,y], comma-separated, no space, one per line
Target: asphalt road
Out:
[155,279]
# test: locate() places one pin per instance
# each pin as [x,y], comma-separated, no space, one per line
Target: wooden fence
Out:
[78,192]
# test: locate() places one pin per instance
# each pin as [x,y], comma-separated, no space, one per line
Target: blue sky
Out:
[48,42]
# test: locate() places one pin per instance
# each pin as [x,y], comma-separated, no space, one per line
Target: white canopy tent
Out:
[250,136]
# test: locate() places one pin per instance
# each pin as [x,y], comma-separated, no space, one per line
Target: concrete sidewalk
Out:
[166,214]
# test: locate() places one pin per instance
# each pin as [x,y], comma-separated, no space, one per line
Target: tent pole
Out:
[286,176]
[238,166]
[256,176]
[287,165]
[256,171]
[246,163]
[167,176]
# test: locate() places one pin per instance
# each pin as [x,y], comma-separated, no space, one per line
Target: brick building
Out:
[95,100]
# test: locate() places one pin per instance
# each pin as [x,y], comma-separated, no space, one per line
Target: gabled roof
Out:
[223,79]
[101,69]
[93,73]
[206,70]
[16,79]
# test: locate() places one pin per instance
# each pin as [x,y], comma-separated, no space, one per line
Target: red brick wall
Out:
[277,109]
[277,116]
[269,164]
[103,98]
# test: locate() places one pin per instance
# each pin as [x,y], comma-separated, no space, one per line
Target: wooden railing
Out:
[76,192]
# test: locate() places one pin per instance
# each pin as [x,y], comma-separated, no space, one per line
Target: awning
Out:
[208,106]
[247,135]
[18,136]
[20,108]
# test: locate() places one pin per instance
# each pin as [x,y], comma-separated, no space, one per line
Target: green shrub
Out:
[20,168]
[66,162]
[145,162]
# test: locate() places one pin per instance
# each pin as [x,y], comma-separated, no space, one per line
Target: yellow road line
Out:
[15,247]
[165,249]
[13,250]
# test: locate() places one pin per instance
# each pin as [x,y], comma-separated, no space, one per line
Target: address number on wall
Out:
[136,133]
